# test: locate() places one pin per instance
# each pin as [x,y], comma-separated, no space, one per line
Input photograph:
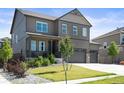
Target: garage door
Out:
[93,56]
[79,56]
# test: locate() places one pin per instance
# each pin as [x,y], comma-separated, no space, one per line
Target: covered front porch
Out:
[42,45]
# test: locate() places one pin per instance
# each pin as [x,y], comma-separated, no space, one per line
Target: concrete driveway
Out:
[110,68]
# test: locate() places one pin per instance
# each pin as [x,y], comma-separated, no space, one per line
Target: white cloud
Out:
[5,21]
[105,24]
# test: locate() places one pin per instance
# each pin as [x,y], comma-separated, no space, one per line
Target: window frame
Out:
[41,27]
[16,38]
[105,44]
[74,26]
[84,32]
[32,48]
[63,24]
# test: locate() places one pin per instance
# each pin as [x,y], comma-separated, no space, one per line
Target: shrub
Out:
[30,63]
[46,62]
[37,64]
[40,59]
[52,58]
[23,65]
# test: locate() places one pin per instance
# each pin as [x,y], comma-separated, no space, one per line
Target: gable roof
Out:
[78,13]
[30,13]
[116,31]
[39,15]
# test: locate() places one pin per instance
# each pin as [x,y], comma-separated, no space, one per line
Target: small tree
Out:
[6,52]
[66,49]
[113,50]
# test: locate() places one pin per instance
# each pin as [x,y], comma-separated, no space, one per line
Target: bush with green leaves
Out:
[37,64]
[52,59]
[46,62]
[23,65]
[30,63]
[40,59]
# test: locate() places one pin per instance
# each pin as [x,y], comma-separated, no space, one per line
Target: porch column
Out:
[51,46]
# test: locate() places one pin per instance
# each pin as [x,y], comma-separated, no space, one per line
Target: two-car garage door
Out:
[79,56]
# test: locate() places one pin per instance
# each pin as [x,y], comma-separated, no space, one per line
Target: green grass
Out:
[114,80]
[56,73]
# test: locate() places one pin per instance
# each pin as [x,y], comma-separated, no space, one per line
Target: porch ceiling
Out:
[40,35]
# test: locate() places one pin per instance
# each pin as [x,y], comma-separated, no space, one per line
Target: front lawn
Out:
[56,72]
[114,80]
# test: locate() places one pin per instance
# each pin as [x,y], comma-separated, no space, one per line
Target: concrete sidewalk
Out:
[3,80]
[78,81]
[109,68]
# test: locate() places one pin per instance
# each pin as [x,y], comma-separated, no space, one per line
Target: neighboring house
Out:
[105,40]
[36,34]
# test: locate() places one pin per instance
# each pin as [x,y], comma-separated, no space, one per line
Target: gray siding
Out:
[19,29]
[70,30]
[74,19]
[94,46]
[31,25]
[109,39]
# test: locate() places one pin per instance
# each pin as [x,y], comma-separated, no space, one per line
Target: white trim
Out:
[44,45]
[16,39]
[32,49]
[74,26]
[40,34]
[84,32]
[42,23]
[64,28]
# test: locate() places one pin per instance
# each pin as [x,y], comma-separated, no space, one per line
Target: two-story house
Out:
[36,34]
[105,40]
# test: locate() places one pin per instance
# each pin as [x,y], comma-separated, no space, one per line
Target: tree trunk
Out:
[65,70]
[67,63]
[63,64]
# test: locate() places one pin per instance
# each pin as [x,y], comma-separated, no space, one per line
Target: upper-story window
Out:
[84,32]
[33,45]
[75,30]
[64,28]
[41,27]
[105,44]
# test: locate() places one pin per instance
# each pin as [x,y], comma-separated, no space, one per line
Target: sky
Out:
[103,20]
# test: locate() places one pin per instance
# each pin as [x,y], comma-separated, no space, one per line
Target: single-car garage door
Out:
[79,56]
[93,56]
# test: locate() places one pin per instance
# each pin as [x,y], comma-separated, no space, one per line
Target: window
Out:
[84,32]
[33,45]
[105,44]
[41,45]
[64,28]
[41,27]
[16,38]
[75,31]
